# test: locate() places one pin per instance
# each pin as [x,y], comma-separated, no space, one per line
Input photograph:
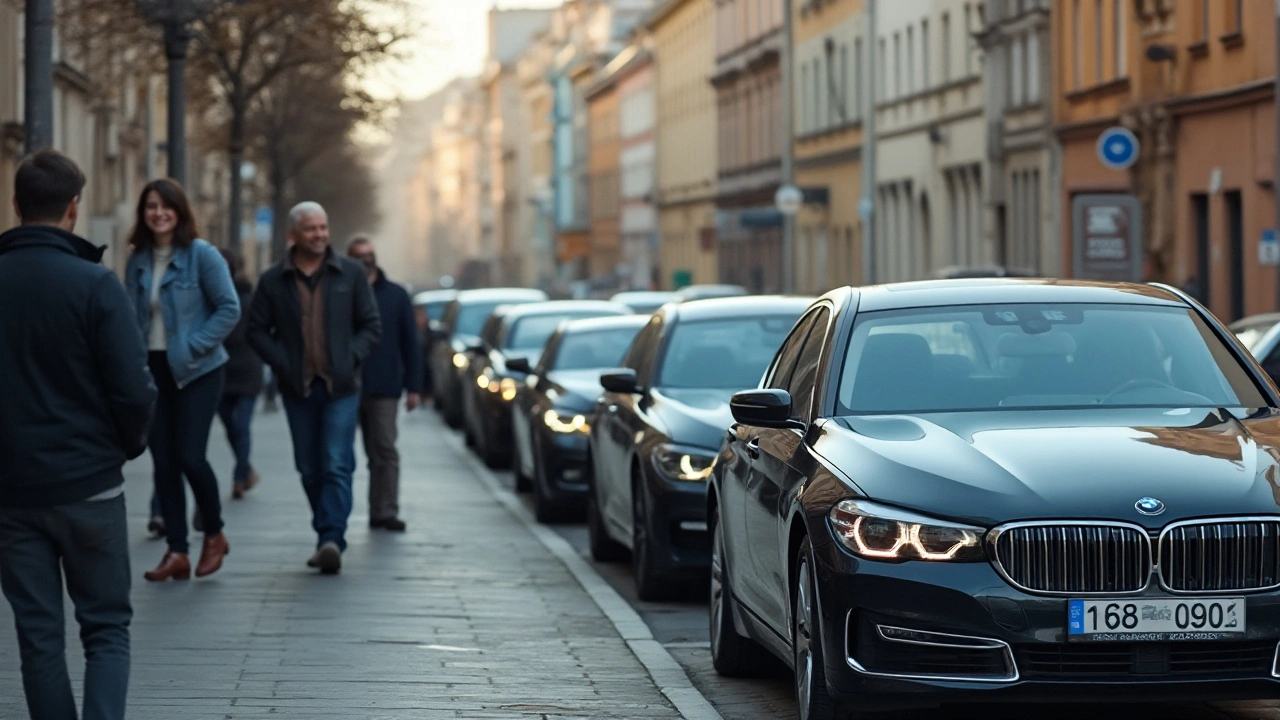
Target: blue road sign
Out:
[263,216]
[1118,148]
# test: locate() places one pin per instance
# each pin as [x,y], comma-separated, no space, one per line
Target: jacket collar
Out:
[331,261]
[25,236]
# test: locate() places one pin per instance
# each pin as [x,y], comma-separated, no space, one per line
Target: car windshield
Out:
[531,333]
[471,317]
[989,357]
[726,353]
[435,311]
[1251,334]
[594,349]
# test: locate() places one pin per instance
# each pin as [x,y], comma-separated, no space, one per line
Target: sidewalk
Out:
[466,615]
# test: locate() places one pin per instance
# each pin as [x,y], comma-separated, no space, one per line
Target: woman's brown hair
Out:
[173,196]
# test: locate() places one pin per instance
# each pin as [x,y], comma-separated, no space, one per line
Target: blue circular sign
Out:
[1118,148]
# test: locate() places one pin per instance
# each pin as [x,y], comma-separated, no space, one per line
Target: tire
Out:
[812,698]
[603,547]
[545,510]
[650,585]
[732,655]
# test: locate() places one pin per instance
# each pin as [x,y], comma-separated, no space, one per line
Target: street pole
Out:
[867,206]
[788,148]
[177,39]
[37,129]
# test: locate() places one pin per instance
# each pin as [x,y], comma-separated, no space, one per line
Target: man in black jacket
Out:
[313,319]
[78,404]
[394,368]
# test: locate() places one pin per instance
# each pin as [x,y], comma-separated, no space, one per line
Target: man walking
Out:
[314,321]
[393,368]
[77,405]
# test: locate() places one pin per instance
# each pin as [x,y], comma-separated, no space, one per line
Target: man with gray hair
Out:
[313,319]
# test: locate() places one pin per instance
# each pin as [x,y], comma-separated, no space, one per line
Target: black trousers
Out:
[88,543]
[179,446]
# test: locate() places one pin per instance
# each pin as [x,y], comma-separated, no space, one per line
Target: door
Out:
[765,503]
[1201,285]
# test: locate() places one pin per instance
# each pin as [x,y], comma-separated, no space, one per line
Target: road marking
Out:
[666,673]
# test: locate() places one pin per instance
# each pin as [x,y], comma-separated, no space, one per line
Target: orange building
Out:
[1193,81]
[603,161]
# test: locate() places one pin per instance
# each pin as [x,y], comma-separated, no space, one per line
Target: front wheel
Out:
[603,547]
[732,655]
[814,701]
[650,585]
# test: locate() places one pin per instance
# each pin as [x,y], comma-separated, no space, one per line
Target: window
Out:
[730,353]
[805,376]
[1077,71]
[1097,42]
[897,65]
[1018,66]
[968,27]
[883,75]
[911,60]
[925,64]
[1117,37]
[844,83]
[1235,13]
[785,363]
[640,355]
[946,47]
[857,78]
[1034,64]
[805,124]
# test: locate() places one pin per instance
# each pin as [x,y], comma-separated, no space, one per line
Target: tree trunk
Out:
[236,146]
[279,213]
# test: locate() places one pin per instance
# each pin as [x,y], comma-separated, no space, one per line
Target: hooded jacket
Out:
[78,396]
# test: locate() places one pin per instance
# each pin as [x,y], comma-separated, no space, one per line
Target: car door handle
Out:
[753,448]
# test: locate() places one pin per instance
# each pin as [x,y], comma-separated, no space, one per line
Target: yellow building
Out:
[684,57]
[829,56]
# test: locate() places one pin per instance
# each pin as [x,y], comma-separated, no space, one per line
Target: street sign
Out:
[1269,249]
[1118,148]
[866,206]
[262,220]
[789,199]
[1106,233]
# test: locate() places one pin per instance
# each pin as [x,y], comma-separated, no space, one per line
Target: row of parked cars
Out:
[914,494]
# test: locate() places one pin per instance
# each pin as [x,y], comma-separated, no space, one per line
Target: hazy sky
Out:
[453,42]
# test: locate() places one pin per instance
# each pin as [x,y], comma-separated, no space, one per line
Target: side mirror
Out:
[764,408]
[623,382]
[520,365]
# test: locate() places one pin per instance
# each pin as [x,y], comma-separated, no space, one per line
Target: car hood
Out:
[697,418]
[989,468]
[575,388]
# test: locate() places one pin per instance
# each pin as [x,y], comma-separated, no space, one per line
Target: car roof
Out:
[693,291]
[427,297]
[732,307]
[642,295]
[991,291]
[611,322]
[1251,320]
[556,307]
[500,295]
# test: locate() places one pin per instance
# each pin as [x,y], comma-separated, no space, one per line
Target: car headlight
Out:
[508,388]
[460,361]
[685,464]
[566,424]
[876,532]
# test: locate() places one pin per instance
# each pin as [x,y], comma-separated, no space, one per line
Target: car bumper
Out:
[992,643]
[496,420]
[678,524]
[564,465]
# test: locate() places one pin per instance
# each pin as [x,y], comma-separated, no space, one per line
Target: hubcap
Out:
[803,640]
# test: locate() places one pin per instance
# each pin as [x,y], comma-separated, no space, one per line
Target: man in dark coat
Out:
[78,404]
[242,386]
[313,319]
[394,368]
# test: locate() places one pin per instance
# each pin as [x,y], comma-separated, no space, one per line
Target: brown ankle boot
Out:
[215,548]
[172,565]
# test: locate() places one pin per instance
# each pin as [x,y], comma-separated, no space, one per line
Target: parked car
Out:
[659,424]
[429,307]
[1002,490]
[643,302]
[517,332]
[708,292]
[1261,336]
[461,326]
[555,405]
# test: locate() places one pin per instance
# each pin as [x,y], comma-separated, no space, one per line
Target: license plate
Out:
[1156,619]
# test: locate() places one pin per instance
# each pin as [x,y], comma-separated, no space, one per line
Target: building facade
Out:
[1193,82]
[828,109]
[684,49]
[930,140]
[637,164]
[603,181]
[535,216]
[748,82]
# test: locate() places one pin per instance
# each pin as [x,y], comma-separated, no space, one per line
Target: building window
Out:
[857,79]
[946,47]
[1017,67]
[968,27]
[897,65]
[924,54]
[1235,16]
[1097,42]
[911,60]
[1117,34]
[844,83]
[818,122]
[804,99]
[1077,70]
[883,78]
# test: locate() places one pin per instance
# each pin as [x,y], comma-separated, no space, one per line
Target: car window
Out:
[1251,335]
[532,333]
[1039,356]
[470,318]
[805,377]
[492,330]
[435,311]
[785,363]
[640,356]
[729,353]
[594,349]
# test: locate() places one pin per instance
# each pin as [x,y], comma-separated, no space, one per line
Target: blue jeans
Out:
[324,451]
[236,412]
[86,544]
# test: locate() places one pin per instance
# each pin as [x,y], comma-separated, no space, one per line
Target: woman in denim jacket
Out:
[186,306]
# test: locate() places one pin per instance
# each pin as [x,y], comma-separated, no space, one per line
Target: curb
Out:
[667,674]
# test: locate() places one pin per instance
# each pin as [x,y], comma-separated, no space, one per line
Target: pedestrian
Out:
[313,320]
[80,410]
[394,368]
[243,385]
[186,305]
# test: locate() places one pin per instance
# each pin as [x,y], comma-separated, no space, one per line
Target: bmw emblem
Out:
[1149,506]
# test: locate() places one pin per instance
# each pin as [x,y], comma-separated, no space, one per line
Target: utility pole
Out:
[788,147]
[177,40]
[37,130]
[867,206]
